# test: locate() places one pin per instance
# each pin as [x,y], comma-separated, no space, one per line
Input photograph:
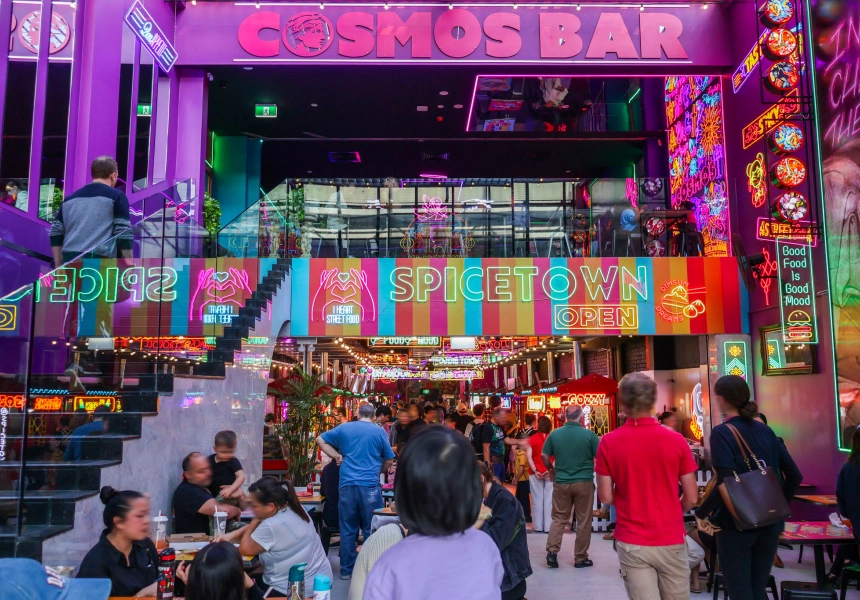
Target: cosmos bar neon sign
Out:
[86,284]
[507,284]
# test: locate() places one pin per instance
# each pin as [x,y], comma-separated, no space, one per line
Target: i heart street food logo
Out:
[677,304]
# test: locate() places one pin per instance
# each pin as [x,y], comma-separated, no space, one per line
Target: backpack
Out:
[475,437]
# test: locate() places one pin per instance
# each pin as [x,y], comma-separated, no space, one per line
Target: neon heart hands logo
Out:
[225,288]
[343,298]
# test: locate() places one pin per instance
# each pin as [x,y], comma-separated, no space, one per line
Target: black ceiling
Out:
[372,111]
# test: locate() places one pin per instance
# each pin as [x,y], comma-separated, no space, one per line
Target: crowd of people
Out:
[450,471]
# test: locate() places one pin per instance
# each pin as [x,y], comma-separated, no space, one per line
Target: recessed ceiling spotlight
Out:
[458,106]
[421,108]
[314,104]
[443,93]
[440,106]
[248,68]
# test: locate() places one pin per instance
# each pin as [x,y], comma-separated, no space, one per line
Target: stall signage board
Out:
[602,35]
[796,293]
[423,341]
[515,297]
[536,403]
[150,35]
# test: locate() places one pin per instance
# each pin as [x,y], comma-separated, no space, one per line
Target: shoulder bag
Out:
[754,498]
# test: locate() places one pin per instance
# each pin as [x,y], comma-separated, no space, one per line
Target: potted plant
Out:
[308,400]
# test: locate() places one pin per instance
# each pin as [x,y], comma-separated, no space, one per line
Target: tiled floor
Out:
[601,582]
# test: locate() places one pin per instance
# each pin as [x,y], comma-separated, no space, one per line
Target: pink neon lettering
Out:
[462,46]
[502,29]
[356,32]
[611,36]
[391,27]
[558,37]
[249,33]
[660,31]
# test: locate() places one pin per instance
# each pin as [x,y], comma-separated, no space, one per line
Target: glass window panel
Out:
[17,134]
[54,138]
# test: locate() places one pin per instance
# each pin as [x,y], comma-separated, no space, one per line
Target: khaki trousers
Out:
[579,497]
[655,572]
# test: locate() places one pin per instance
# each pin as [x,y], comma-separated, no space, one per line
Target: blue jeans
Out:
[355,507]
[499,471]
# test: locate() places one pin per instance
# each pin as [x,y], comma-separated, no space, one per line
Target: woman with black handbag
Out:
[756,477]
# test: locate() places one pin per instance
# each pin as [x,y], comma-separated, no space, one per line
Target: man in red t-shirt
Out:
[638,469]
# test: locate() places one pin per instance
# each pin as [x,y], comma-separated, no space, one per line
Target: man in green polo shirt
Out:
[569,454]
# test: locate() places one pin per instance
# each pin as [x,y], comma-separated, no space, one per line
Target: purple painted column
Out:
[153,125]
[191,131]
[40,96]
[132,119]
[99,36]
[5,25]
[171,122]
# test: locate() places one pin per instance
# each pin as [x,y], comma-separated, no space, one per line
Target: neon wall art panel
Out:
[521,296]
[697,167]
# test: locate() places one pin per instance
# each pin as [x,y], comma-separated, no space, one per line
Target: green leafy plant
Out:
[211,214]
[308,398]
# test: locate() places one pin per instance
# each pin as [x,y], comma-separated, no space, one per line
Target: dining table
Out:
[817,534]
[817,499]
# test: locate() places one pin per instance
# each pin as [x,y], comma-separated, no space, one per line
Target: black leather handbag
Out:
[754,498]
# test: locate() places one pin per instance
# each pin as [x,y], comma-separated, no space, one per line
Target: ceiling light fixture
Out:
[704,7]
[257,5]
[579,7]
[193,2]
[450,7]
[386,6]
[314,104]
[516,6]
[458,106]
[322,6]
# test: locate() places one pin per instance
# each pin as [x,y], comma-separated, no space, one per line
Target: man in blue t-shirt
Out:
[362,450]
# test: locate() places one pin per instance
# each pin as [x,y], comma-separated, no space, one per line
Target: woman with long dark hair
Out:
[217,574]
[124,553]
[438,492]
[745,556]
[281,534]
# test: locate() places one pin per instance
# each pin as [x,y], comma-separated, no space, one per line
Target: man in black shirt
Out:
[193,504]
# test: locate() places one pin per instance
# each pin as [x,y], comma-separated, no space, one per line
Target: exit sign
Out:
[144,110]
[796,293]
[265,111]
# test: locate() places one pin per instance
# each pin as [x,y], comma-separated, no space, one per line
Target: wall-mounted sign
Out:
[405,341]
[12,401]
[434,34]
[587,399]
[90,403]
[536,403]
[395,373]
[770,229]
[266,111]
[171,344]
[460,360]
[486,346]
[771,118]
[8,317]
[144,110]
[735,358]
[26,25]
[796,293]
[395,358]
[150,35]
[697,412]
[509,297]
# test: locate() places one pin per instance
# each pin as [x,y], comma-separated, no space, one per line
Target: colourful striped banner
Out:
[517,296]
[146,297]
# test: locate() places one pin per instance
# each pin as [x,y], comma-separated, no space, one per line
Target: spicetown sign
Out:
[457,34]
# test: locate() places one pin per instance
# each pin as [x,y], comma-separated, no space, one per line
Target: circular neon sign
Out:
[655,226]
[655,249]
[790,206]
[788,172]
[780,43]
[782,77]
[777,12]
[786,138]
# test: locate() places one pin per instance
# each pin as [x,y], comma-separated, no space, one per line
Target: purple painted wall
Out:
[801,408]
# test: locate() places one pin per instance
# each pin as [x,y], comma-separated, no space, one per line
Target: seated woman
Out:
[507,527]
[438,494]
[217,574]
[282,534]
[124,553]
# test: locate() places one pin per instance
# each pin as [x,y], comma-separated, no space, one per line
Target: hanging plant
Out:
[211,214]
